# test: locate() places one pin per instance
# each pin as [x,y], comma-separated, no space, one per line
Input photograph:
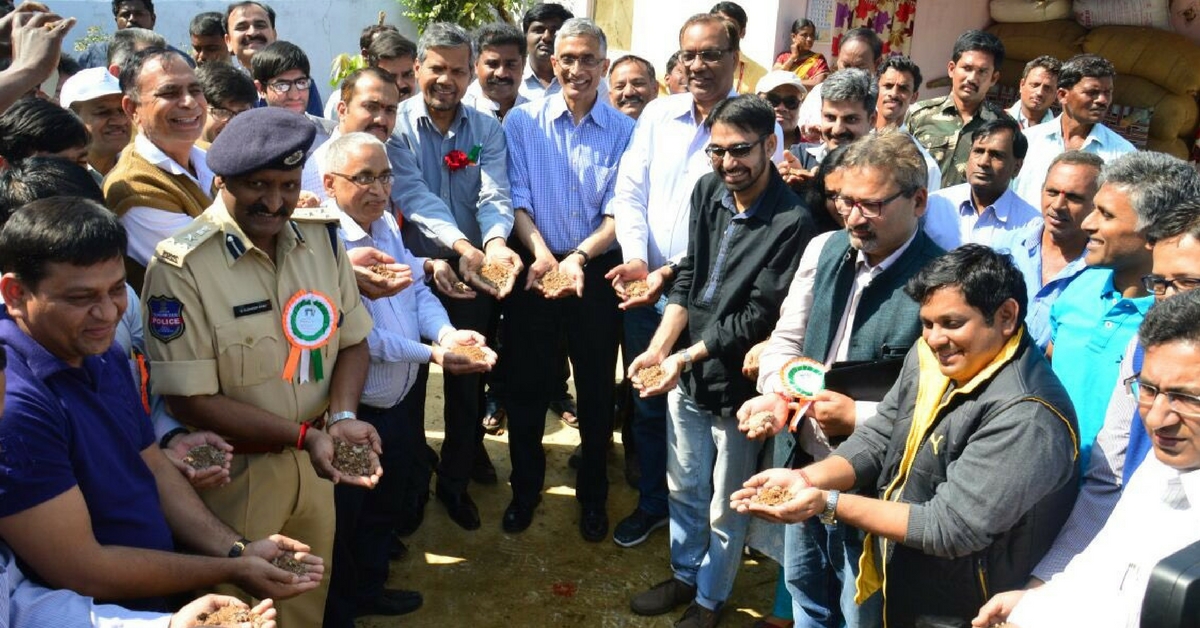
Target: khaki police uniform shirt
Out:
[938,126]
[213,310]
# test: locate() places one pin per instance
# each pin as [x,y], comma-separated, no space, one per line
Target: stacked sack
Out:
[1157,69]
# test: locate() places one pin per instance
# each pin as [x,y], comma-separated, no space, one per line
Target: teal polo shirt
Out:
[1091,324]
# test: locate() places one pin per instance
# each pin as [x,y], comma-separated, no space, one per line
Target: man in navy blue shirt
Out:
[88,501]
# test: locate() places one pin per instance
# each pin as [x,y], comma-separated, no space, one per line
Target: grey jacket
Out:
[989,488]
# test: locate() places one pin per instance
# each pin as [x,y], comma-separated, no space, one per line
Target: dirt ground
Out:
[547,575]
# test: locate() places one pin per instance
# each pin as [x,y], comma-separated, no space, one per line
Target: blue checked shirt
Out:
[562,173]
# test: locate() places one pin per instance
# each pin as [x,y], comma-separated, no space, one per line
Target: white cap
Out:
[88,84]
[777,78]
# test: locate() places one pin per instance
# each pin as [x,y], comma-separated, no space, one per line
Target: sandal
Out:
[566,410]
[495,420]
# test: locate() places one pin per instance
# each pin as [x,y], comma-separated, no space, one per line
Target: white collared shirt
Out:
[951,219]
[147,226]
[1103,586]
[1046,142]
[652,198]
[1019,116]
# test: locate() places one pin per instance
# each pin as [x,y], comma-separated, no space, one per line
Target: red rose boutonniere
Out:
[457,160]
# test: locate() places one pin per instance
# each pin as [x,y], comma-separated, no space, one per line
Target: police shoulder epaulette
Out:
[320,213]
[175,248]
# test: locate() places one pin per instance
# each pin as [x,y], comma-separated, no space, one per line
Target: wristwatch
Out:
[687,360]
[341,416]
[239,546]
[829,515]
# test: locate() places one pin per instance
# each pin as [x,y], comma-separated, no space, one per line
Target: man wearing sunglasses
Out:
[856,275]
[748,230]
[1123,441]
[784,91]
[652,207]
[1156,515]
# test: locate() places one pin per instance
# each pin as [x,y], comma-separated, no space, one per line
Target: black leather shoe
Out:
[483,472]
[593,525]
[518,516]
[391,602]
[460,508]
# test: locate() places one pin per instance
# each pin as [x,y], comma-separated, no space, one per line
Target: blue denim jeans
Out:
[649,414]
[821,566]
[707,460]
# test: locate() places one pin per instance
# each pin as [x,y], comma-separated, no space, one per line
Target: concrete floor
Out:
[547,575]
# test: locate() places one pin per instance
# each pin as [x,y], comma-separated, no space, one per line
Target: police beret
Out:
[266,138]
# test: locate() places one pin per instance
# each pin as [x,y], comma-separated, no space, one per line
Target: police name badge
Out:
[309,319]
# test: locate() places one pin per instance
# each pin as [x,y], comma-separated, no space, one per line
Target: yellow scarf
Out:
[931,386]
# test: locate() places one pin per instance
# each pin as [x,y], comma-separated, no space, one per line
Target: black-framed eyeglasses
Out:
[588,62]
[791,102]
[737,151]
[283,87]
[365,180]
[709,55]
[868,209]
[1157,284]
[222,114]
[1182,404]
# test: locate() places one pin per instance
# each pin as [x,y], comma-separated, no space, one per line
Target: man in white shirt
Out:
[1085,88]
[1039,87]
[652,206]
[164,181]
[1156,515]
[861,48]
[498,70]
[984,207]
[357,178]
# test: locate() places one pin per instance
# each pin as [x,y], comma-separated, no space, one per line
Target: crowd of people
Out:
[939,349]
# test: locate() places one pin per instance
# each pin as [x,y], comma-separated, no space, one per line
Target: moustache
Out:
[631,100]
[499,81]
[259,209]
[255,38]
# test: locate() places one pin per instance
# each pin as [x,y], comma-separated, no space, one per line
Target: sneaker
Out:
[635,528]
[663,597]
[697,616]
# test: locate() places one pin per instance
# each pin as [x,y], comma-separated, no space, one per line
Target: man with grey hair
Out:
[563,152]
[357,176]
[1096,315]
[1039,91]
[462,157]
[820,563]
[860,49]
[1085,88]
[848,99]
[127,41]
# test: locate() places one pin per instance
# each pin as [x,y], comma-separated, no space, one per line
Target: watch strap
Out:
[344,415]
[239,546]
[829,515]
[165,441]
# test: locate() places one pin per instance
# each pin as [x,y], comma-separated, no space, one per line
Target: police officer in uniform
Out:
[256,331]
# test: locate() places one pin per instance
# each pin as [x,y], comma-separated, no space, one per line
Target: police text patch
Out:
[166,317]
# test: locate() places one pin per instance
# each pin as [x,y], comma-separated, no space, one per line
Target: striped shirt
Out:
[401,320]
[562,173]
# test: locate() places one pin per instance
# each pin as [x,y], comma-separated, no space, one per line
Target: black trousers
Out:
[534,370]
[463,412]
[366,518]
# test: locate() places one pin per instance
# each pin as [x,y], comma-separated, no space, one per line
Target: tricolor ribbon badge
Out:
[309,319]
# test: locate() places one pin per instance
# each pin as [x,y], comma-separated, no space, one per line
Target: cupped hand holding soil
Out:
[772,496]
[352,459]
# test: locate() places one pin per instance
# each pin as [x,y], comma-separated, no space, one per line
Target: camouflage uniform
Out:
[939,128]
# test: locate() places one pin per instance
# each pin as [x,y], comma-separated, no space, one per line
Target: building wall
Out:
[323,28]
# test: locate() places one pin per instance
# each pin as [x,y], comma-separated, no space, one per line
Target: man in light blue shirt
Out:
[978,211]
[563,153]
[462,158]
[1095,317]
[1049,251]
[357,177]
[1085,87]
